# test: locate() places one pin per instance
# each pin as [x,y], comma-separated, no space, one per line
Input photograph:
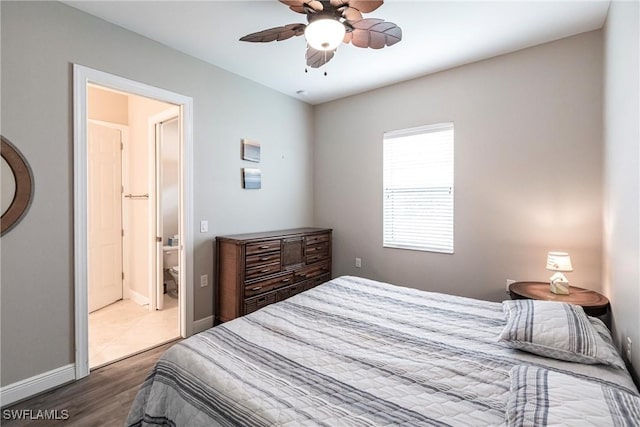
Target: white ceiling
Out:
[437,35]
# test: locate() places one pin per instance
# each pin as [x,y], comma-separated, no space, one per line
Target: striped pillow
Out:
[556,330]
[539,397]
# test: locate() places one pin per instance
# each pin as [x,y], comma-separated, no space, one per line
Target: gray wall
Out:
[528,170]
[622,177]
[40,42]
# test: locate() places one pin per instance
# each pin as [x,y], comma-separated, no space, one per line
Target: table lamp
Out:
[559,262]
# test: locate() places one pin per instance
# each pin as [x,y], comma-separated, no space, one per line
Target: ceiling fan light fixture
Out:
[324,34]
[330,23]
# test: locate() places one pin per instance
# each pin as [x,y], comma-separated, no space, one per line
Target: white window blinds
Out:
[418,188]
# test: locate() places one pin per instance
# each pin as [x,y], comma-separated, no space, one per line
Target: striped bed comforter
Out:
[351,352]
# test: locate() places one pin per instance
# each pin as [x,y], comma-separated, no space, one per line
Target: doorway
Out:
[117,200]
[133,170]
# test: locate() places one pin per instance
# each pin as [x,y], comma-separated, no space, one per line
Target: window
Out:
[418,188]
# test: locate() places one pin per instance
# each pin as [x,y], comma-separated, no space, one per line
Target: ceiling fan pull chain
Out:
[325,63]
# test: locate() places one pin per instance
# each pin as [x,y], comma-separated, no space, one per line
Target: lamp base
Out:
[559,284]
[560,288]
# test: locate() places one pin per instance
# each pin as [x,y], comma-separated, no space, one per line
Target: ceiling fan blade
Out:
[317,58]
[298,5]
[277,33]
[375,33]
[364,6]
[351,14]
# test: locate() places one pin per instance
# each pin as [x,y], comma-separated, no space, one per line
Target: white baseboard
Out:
[28,387]
[136,297]
[202,324]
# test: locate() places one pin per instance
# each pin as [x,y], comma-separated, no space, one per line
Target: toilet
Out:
[170,264]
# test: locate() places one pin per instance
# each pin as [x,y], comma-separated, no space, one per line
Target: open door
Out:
[167,200]
[158,293]
[104,216]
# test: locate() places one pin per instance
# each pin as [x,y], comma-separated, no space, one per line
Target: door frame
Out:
[82,77]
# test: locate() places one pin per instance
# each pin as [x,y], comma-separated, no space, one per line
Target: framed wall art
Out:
[17,185]
[250,150]
[251,179]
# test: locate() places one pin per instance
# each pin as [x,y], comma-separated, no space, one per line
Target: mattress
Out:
[350,352]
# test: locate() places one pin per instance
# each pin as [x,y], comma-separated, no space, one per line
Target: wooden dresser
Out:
[258,269]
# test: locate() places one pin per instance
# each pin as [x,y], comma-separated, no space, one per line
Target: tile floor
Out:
[124,328]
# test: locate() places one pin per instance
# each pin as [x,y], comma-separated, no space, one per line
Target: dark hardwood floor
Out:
[101,399]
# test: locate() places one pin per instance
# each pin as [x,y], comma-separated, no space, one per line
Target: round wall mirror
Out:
[17,186]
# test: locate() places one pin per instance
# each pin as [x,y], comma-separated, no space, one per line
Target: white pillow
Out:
[556,330]
[542,397]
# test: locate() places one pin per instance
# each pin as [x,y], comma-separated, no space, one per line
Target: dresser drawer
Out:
[255,303]
[312,283]
[262,259]
[317,247]
[317,238]
[263,247]
[267,285]
[262,271]
[312,271]
[284,293]
[316,257]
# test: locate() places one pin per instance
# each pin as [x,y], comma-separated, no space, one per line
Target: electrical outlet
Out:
[204,280]
[204,226]
[629,346]
[509,281]
[358,262]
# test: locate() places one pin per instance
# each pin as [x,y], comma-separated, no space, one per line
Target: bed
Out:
[356,352]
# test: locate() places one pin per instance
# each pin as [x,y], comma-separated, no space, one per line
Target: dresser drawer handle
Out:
[265,258]
[285,280]
[265,247]
[257,288]
[259,300]
[318,248]
[266,270]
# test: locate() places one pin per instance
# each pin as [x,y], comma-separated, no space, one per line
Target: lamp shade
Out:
[559,261]
[324,34]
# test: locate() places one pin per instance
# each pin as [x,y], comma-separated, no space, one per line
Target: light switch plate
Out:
[204,226]
[204,280]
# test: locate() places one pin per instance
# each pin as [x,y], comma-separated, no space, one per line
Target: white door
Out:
[160,241]
[104,216]
[167,193]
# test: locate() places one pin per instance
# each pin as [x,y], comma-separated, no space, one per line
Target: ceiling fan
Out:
[332,22]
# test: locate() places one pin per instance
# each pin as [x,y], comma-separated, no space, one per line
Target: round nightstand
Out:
[593,303]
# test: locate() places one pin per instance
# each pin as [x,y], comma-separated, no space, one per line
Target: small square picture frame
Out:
[251,179]
[251,150]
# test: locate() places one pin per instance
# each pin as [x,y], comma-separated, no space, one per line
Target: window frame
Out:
[428,246]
